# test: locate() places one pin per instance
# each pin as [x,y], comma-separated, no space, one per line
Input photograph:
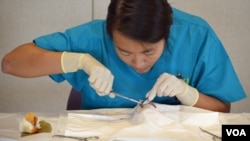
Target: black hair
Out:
[144,20]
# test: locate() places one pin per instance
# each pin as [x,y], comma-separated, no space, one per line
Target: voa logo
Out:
[236,132]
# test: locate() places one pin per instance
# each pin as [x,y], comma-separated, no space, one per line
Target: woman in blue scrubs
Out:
[144,49]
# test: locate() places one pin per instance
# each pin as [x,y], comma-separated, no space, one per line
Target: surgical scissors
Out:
[140,103]
[124,97]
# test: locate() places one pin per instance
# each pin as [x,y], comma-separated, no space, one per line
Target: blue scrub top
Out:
[193,50]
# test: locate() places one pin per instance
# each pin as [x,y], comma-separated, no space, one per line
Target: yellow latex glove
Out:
[100,77]
[169,85]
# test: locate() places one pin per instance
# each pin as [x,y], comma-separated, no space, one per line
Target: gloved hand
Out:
[100,77]
[169,85]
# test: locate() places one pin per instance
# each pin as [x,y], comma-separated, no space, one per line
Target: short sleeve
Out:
[215,74]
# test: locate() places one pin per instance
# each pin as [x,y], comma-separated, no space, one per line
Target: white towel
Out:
[165,122]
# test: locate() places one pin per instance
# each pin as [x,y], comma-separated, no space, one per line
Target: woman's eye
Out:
[125,53]
[150,52]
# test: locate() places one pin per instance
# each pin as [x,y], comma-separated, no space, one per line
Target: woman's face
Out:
[140,56]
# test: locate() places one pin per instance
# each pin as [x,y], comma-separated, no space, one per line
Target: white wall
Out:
[21,21]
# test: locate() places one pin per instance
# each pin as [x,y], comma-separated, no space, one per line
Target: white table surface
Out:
[176,116]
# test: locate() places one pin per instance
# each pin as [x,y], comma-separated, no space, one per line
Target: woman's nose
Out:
[138,62]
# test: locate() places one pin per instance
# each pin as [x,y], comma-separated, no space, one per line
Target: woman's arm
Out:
[213,104]
[28,60]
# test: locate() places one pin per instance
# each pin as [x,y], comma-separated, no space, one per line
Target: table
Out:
[166,122]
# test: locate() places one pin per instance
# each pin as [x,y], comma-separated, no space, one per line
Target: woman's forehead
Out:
[124,43]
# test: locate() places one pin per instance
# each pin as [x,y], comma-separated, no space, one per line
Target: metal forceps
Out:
[215,137]
[78,138]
